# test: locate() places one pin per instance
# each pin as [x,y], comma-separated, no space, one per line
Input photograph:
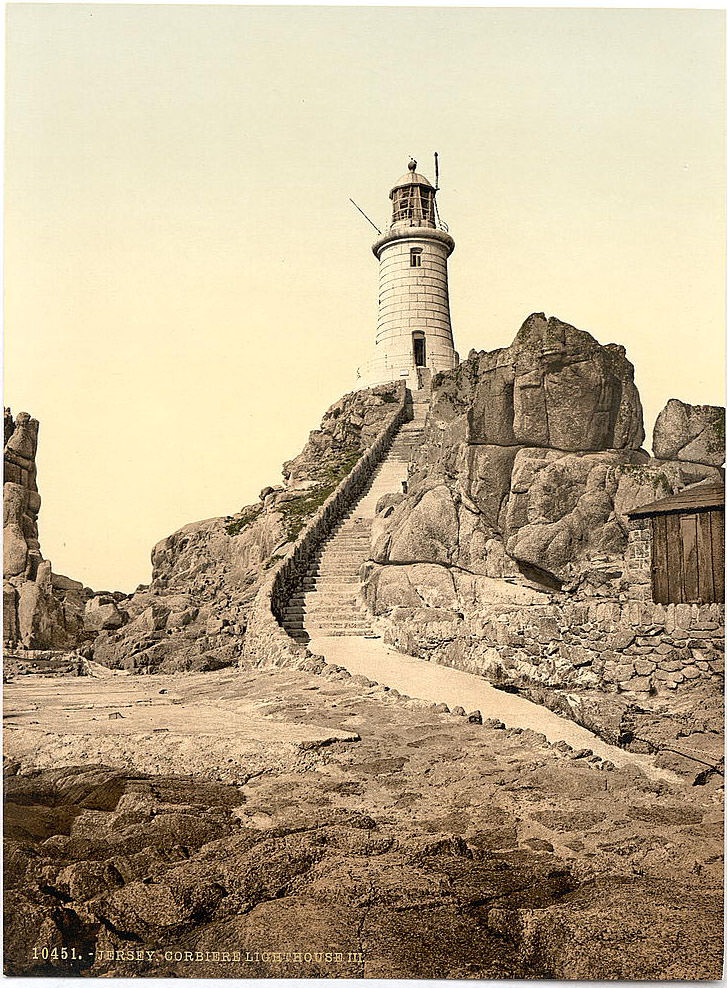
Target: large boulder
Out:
[10,612]
[101,614]
[554,386]
[40,617]
[21,501]
[429,532]
[567,509]
[21,444]
[690,432]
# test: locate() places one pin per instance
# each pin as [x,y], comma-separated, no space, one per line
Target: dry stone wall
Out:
[632,647]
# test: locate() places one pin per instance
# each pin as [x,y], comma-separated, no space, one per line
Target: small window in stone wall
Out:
[415,257]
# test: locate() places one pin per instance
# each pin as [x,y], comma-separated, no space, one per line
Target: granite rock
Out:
[690,432]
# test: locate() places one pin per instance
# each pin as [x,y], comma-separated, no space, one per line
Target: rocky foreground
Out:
[287,823]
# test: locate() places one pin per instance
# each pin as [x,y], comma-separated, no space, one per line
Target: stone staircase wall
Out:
[327,602]
[266,641]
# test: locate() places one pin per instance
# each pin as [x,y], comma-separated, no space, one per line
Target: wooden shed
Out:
[687,545]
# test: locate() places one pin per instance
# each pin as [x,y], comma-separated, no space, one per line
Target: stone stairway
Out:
[327,602]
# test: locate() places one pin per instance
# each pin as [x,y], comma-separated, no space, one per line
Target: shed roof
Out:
[697,497]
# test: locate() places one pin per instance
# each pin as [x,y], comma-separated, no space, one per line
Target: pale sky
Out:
[188,287]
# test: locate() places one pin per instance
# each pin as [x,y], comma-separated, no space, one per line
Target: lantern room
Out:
[413,201]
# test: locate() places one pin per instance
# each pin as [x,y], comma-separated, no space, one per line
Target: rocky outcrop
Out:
[568,513]
[531,462]
[21,500]
[694,433]
[194,614]
[347,429]
[555,387]
[516,518]
[102,613]
[41,609]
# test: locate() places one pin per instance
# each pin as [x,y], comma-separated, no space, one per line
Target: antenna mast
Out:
[436,171]
[365,216]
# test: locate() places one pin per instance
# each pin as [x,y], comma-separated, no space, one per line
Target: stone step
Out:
[349,568]
[326,583]
[353,537]
[316,628]
[349,592]
[334,620]
[339,547]
[334,577]
[324,610]
[352,565]
[334,553]
[319,632]
[360,538]
[335,569]
[349,536]
[337,633]
[347,577]
[338,597]
[323,585]
[342,559]
[341,544]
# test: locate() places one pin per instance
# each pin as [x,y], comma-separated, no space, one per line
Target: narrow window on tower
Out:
[415,257]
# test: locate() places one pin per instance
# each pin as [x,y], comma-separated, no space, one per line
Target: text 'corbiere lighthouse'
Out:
[413,331]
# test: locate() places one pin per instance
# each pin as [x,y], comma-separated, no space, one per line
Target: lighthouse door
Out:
[420,352]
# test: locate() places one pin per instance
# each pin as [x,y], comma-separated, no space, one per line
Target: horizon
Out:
[188,288]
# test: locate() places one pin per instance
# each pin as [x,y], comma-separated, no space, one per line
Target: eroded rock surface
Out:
[694,433]
[554,386]
[41,609]
[433,847]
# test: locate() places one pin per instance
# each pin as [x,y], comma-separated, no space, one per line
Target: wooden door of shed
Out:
[687,557]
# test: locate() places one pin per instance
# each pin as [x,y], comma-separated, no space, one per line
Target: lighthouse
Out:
[413,330]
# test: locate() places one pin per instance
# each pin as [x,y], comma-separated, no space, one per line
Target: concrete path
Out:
[414,677]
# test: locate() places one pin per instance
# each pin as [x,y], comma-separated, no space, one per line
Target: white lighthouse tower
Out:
[413,331]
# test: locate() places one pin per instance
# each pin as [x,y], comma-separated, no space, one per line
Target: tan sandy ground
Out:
[155,724]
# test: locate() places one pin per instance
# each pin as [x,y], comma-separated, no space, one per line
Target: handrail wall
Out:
[266,641]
